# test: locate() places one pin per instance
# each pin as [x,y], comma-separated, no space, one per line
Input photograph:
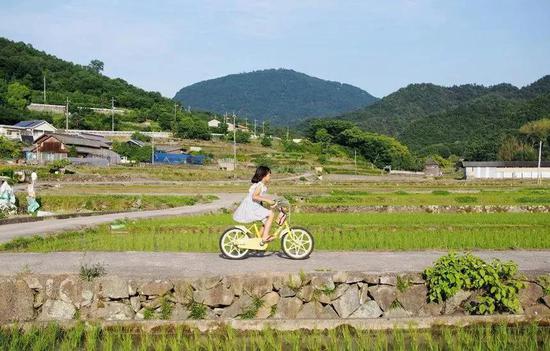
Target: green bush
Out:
[496,283]
[266,141]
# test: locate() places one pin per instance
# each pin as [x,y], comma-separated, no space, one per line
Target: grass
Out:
[80,337]
[332,231]
[96,203]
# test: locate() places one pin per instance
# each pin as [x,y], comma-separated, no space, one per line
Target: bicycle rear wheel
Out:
[228,243]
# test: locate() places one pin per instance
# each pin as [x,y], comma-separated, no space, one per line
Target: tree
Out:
[96,66]
[8,149]
[512,149]
[189,128]
[18,95]
[537,130]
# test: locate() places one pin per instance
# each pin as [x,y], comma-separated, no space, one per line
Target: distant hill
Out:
[84,86]
[277,94]
[429,117]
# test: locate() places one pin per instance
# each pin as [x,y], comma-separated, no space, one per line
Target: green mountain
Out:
[281,95]
[430,118]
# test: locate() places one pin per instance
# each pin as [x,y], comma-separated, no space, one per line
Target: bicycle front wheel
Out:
[297,243]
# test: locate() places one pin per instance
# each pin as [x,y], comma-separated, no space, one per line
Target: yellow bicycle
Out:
[238,241]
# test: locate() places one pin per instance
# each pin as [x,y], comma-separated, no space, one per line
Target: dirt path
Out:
[11,231]
[172,265]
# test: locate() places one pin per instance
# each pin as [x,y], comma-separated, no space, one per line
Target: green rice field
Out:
[332,231]
[80,337]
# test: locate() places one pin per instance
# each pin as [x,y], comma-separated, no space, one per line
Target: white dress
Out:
[250,210]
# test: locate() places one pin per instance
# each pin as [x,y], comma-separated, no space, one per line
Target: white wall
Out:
[506,172]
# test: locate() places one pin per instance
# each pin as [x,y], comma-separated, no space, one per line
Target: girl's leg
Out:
[267,225]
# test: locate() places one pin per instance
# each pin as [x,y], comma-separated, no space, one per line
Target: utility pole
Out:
[254,127]
[355,160]
[246,123]
[113,114]
[539,175]
[263,127]
[287,132]
[234,146]
[152,149]
[175,112]
[67,114]
[44,88]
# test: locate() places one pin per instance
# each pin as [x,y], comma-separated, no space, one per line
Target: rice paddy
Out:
[92,337]
[332,231]
[110,203]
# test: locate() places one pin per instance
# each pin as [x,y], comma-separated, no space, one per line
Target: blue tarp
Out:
[162,157]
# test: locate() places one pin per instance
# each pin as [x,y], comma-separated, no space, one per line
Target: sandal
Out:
[269,239]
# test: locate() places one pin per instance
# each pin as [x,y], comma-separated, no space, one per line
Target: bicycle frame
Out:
[255,229]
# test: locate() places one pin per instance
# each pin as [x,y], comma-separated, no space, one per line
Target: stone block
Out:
[214,297]
[454,303]
[16,301]
[57,310]
[155,288]
[413,298]
[348,302]
[530,295]
[369,309]
[384,295]
[113,287]
[113,311]
[288,308]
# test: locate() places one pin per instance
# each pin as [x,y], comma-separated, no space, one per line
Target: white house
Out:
[214,123]
[505,170]
[36,128]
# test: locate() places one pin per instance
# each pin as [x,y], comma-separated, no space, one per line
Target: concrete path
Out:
[11,231]
[171,265]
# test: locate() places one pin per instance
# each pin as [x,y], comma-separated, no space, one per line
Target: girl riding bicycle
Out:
[251,209]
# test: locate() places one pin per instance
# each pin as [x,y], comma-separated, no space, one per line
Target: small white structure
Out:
[195,149]
[226,164]
[214,123]
[297,141]
[11,132]
[506,170]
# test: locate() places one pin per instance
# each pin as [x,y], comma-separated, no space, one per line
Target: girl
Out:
[251,210]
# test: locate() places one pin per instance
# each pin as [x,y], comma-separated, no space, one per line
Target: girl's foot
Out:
[268,239]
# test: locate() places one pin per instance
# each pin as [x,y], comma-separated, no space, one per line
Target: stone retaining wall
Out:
[259,296]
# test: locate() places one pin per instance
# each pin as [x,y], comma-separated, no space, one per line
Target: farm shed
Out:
[89,149]
[505,169]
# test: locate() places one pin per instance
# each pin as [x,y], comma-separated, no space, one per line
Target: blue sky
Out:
[379,46]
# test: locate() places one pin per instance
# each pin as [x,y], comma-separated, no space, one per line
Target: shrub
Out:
[496,282]
[266,141]
[141,137]
[440,192]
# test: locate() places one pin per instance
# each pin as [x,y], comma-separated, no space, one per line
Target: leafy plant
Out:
[440,192]
[90,272]
[496,282]
[465,199]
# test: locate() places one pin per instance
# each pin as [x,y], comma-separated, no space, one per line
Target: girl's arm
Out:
[258,198]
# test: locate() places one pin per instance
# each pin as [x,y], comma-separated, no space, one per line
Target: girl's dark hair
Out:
[261,172]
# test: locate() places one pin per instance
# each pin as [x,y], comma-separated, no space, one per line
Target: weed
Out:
[465,199]
[251,311]
[148,313]
[403,283]
[197,310]
[91,272]
[165,309]
[544,282]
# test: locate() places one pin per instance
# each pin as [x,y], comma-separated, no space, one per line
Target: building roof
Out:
[136,142]
[506,164]
[74,140]
[30,124]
